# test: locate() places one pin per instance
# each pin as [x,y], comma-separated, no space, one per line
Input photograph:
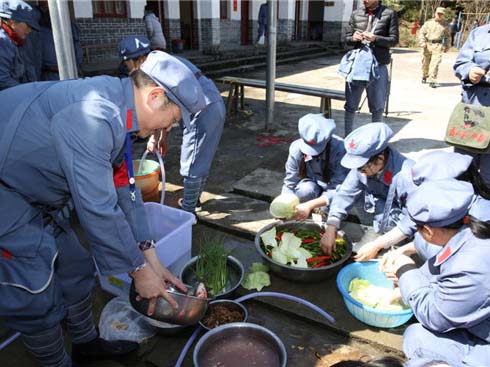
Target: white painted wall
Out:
[82,9]
[234,15]
[304,10]
[207,9]
[286,9]
[254,8]
[336,12]
[172,9]
[136,8]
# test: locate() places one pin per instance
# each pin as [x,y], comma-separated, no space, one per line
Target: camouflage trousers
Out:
[431,60]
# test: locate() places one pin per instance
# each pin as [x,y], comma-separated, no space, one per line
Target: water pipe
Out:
[188,345]
[9,340]
[254,295]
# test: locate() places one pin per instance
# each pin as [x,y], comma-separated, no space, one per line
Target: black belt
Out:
[435,41]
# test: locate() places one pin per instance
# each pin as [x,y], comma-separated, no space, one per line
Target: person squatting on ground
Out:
[449,293]
[313,169]
[472,67]
[373,164]
[376,25]
[434,39]
[65,145]
[201,135]
[429,167]
[17,20]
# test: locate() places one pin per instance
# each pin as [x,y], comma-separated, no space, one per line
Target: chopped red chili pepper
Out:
[309,240]
[320,264]
[318,258]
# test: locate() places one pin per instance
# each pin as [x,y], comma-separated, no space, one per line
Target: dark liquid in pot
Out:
[240,351]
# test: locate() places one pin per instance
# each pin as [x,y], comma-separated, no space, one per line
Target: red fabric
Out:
[387,177]
[445,254]
[120,175]
[7,255]
[129,119]
[12,35]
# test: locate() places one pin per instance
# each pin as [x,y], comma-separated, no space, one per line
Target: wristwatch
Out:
[146,245]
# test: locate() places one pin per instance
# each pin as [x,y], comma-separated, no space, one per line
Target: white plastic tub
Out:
[172,229]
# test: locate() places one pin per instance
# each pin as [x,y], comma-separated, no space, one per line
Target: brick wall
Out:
[229,33]
[332,33]
[285,30]
[209,33]
[103,34]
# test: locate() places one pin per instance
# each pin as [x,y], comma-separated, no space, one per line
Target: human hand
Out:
[369,36]
[150,145]
[357,36]
[368,251]
[302,211]
[327,242]
[162,272]
[476,74]
[149,285]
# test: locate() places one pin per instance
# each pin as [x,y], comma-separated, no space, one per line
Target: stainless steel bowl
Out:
[301,274]
[231,305]
[235,275]
[252,343]
[190,309]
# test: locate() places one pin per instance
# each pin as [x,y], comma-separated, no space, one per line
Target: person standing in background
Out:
[472,68]
[434,39]
[263,15]
[377,26]
[17,20]
[453,29]
[154,30]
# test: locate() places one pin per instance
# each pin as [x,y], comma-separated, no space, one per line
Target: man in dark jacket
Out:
[377,26]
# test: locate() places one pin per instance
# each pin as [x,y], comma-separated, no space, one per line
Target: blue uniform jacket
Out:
[64,148]
[475,52]
[11,64]
[451,290]
[314,168]
[375,188]
[211,93]
[32,55]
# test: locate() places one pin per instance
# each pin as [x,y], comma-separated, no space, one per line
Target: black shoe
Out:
[433,85]
[100,349]
[424,80]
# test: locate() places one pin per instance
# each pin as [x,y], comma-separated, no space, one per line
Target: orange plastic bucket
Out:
[148,179]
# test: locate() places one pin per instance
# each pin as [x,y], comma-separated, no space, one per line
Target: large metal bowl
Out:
[236,273]
[251,343]
[190,309]
[301,274]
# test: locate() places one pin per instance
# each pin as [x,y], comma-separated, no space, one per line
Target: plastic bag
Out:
[119,321]
[261,40]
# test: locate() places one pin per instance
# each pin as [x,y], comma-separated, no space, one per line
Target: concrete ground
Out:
[246,174]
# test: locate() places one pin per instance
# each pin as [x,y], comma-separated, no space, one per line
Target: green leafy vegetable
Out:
[269,237]
[259,267]
[211,265]
[284,206]
[256,280]
[374,296]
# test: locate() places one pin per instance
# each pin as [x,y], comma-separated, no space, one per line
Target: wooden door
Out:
[244,22]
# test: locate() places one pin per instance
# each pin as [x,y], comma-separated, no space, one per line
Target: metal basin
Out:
[235,275]
[301,274]
[240,344]
[190,309]
[166,329]
[230,305]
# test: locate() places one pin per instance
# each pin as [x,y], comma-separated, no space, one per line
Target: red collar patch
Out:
[312,142]
[443,256]
[7,255]
[387,177]
[352,144]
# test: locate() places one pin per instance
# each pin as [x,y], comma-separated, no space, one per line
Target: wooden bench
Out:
[236,93]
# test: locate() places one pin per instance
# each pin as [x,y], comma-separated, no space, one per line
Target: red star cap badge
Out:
[352,144]
[311,142]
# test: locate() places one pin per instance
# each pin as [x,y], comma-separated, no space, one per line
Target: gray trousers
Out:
[376,91]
